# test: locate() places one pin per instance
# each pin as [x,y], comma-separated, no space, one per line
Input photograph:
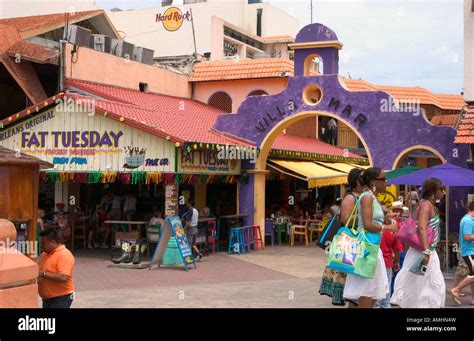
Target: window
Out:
[221,101]
[258,93]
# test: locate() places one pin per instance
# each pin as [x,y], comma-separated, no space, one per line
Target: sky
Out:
[386,42]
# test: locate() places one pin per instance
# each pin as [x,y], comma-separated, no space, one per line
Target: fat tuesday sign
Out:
[75,141]
[173,18]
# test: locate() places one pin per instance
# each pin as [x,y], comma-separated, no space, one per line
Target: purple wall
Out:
[386,130]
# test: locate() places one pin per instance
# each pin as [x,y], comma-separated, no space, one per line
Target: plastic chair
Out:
[257,237]
[153,233]
[236,237]
[247,234]
[212,234]
[318,229]
[269,231]
[299,230]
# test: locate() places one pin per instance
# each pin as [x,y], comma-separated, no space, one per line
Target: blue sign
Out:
[172,227]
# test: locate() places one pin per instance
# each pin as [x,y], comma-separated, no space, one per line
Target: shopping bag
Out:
[354,252]
[330,230]
[408,234]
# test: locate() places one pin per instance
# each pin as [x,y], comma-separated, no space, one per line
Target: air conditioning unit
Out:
[100,42]
[121,48]
[143,55]
[78,35]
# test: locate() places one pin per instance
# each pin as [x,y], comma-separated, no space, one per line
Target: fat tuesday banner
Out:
[77,141]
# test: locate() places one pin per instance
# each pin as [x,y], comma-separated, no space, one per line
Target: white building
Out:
[24,8]
[222,28]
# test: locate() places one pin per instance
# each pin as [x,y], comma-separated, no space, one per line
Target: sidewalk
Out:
[278,277]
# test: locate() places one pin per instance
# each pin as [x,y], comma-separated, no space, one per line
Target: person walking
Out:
[333,281]
[371,219]
[332,131]
[466,241]
[420,282]
[191,228]
[56,264]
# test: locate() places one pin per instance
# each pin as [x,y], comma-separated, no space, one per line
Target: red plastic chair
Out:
[257,237]
[212,232]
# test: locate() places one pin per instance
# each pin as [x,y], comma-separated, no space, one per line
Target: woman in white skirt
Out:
[426,290]
[371,218]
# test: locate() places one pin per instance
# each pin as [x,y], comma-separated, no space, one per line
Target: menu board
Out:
[171,200]
[173,228]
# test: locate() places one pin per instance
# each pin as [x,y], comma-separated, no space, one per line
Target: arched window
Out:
[313,65]
[258,93]
[222,101]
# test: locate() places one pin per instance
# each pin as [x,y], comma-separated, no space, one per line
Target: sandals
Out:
[455,298]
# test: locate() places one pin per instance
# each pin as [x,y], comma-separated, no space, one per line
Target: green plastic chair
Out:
[153,233]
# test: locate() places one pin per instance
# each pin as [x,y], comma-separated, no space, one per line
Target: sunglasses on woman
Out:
[384,179]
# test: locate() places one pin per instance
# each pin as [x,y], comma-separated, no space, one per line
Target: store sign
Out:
[173,228]
[76,142]
[206,161]
[173,18]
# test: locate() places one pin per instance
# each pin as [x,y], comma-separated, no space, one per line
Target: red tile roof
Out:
[449,120]
[466,127]
[308,145]
[161,115]
[223,70]
[181,119]
[33,52]
[402,93]
[28,26]
[243,69]
[9,36]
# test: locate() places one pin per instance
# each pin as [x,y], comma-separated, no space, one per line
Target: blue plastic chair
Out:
[236,237]
[247,234]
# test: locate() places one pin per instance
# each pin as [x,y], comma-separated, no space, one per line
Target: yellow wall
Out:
[422,162]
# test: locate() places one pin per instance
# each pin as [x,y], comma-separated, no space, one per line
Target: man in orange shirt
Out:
[56,264]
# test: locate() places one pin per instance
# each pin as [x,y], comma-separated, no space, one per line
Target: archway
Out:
[260,170]
[408,151]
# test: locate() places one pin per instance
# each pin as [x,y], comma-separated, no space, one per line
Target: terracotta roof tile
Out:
[32,52]
[25,24]
[9,36]
[243,69]
[421,95]
[466,127]
[8,156]
[180,119]
[308,145]
[445,120]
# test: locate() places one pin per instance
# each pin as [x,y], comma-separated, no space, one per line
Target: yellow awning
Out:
[316,175]
[339,166]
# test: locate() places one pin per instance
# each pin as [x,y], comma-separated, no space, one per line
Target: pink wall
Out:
[105,68]
[238,90]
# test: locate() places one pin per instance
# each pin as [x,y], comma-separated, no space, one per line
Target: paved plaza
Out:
[278,277]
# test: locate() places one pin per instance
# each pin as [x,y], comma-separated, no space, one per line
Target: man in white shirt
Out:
[192,217]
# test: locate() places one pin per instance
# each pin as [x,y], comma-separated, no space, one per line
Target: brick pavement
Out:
[279,277]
